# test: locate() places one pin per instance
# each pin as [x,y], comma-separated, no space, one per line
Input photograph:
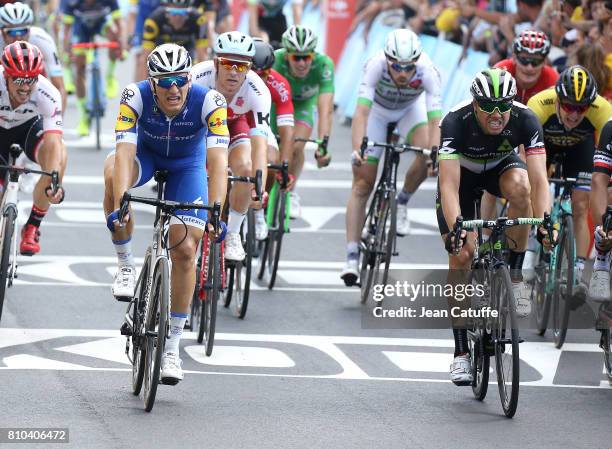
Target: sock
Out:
[403,197]
[234,221]
[82,106]
[352,250]
[259,214]
[461,342]
[110,72]
[579,263]
[177,323]
[123,248]
[601,261]
[36,216]
[515,262]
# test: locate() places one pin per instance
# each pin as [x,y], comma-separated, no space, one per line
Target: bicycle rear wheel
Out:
[505,336]
[564,282]
[156,330]
[539,295]
[5,258]
[242,274]
[212,289]
[381,254]
[195,311]
[276,239]
[606,345]
[138,338]
[369,259]
[481,362]
[389,234]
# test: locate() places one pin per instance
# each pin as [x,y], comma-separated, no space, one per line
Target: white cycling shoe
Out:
[124,284]
[599,287]
[403,222]
[172,371]
[461,370]
[522,297]
[233,247]
[295,210]
[350,273]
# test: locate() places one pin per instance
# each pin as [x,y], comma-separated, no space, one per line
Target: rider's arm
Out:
[433,100]
[125,154]
[359,124]
[297,8]
[253,9]
[286,142]
[450,168]
[325,103]
[536,163]
[58,82]
[217,141]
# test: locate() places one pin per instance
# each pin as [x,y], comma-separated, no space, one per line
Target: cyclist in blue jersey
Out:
[166,123]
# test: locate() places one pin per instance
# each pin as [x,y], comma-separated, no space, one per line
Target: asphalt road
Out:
[299,371]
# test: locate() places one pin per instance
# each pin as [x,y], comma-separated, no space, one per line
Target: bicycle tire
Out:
[202,288]
[507,365]
[273,226]
[390,235]
[563,286]
[368,256]
[606,345]
[157,317]
[481,363]
[243,285]
[380,254]
[277,240]
[195,309]
[213,286]
[141,298]
[228,291]
[5,259]
[539,296]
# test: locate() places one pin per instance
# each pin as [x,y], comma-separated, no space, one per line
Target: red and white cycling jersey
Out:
[280,91]
[45,102]
[252,101]
[47,47]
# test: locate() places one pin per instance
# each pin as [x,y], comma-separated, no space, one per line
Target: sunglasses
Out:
[489,107]
[25,80]
[17,32]
[568,107]
[297,58]
[178,11]
[402,67]
[534,62]
[168,81]
[238,66]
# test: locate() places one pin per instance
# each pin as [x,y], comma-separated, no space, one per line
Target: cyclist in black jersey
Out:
[178,22]
[480,140]
[599,286]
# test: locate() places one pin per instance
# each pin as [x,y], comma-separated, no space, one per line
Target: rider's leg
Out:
[112,85]
[81,92]
[239,199]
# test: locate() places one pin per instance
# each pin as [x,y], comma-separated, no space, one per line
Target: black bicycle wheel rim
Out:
[228,291]
[213,282]
[606,344]
[138,349]
[480,363]
[541,299]
[564,282]
[380,255]
[390,234]
[278,239]
[506,339]
[5,260]
[242,301]
[157,316]
[201,290]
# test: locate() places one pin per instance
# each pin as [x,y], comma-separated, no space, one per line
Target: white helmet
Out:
[403,45]
[168,58]
[235,43]
[15,15]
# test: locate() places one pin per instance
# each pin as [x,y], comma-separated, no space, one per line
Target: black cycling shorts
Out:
[275,27]
[472,186]
[29,135]
[576,161]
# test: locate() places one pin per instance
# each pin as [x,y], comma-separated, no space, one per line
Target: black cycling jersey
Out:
[158,30]
[602,161]
[462,137]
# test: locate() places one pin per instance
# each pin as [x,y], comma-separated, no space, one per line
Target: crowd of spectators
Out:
[580,30]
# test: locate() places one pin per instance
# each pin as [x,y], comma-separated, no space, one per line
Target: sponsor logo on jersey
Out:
[217,122]
[505,146]
[548,101]
[220,100]
[126,95]
[415,84]
[239,101]
[280,88]
[126,119]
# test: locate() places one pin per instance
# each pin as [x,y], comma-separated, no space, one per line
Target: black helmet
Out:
[576,85]
[264,55]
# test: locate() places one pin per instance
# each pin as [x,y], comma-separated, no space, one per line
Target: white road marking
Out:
[105,349]
[27,361]
[419,361]
[250,356]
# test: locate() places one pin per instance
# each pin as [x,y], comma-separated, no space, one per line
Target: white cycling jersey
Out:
[45,102]
[47,47]
[253,99]
[378,88]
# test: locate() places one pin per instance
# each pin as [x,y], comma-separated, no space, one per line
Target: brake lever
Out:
[124,207]
[364,146]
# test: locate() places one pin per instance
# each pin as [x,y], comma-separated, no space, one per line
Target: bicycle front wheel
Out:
[5,258]
[156,330]
[481,362]
[564,282]
[606,345]
[506,340]
[213,287]
[276,239]
[139,306]
[539,295]
[243,271]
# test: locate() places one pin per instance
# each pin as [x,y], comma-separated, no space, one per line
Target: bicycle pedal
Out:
[521,340]
[126,329]
[169,381]
[395,253]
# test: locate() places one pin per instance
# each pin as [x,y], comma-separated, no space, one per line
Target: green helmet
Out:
[493,85]
[299,39]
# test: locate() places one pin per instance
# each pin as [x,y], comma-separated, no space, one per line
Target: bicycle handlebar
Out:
[396,147]
[111,44]
[166,205]
[569,182]
[284,169]
[321,143]
[257,180]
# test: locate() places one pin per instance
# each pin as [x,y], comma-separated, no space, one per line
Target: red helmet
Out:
[532,42]
[22,60]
